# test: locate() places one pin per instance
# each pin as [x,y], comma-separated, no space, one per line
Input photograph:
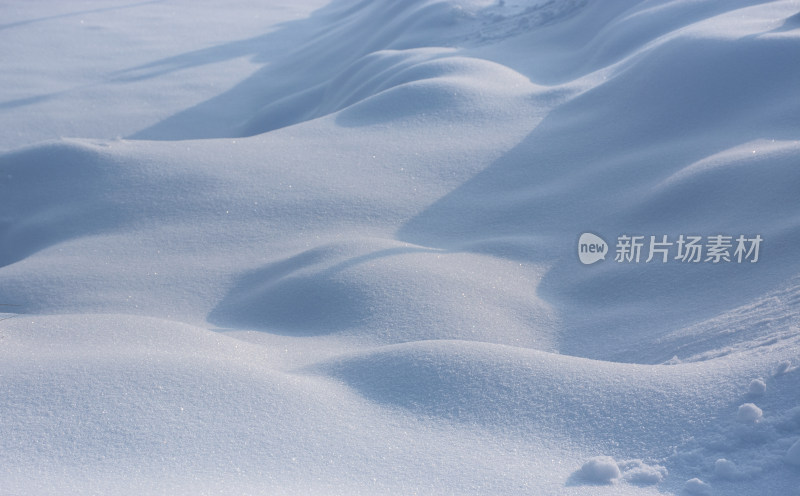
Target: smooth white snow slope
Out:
[330,247]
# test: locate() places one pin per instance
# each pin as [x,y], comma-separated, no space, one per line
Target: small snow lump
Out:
[757,387]
[600,470]
[749,413]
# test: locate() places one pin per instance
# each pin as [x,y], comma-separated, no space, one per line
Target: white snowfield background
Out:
[330,247]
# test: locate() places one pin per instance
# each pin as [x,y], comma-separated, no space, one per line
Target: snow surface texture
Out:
[329,247]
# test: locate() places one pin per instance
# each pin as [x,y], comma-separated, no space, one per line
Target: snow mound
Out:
[600,470]
[455,89]
[749,413]
[391,86]
[409,70]
[726,469]
[640,473]
[757,387]
[784,368]
[391,292]
[697,487]
[605,470]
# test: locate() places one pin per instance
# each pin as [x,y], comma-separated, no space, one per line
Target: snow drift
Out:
[335,252]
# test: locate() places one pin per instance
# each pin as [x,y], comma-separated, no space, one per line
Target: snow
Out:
[606,470]
[784,368]
[793,455]
[639,472]
[600,470]
[757,387]
[726,469]
[697,487]
[329,247]
[749,413]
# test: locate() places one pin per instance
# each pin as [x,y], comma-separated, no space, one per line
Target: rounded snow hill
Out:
[390,292]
